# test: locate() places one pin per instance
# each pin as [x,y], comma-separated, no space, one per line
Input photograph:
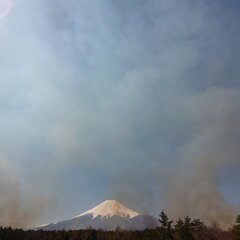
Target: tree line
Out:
[183,229]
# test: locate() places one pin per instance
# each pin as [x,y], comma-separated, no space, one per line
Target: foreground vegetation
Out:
[183,229]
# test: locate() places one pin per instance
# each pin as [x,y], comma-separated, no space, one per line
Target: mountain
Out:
[107,216]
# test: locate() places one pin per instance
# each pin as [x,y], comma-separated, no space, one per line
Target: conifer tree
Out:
[165,228]
[185,228]
[236,228]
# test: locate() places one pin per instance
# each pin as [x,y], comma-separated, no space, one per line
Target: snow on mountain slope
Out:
[110,208]
[106,216]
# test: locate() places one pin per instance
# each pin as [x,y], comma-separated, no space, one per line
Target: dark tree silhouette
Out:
[236,228]
[165,229]
[185,228]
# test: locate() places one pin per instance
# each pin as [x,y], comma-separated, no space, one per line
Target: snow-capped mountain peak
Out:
[107,216]
[110,208]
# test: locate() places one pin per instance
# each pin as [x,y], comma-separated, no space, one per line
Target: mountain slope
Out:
[106,216]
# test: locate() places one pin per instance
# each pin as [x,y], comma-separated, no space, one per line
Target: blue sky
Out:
[132,100]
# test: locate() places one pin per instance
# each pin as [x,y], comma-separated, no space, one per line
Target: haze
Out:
[136,101]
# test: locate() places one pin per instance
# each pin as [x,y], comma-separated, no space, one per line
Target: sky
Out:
[134,100]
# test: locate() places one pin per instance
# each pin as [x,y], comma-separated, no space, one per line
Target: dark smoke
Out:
[17,210]
[140,98]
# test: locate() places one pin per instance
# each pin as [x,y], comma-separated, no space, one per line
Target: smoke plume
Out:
[193,188]
[17,210]
[133,100]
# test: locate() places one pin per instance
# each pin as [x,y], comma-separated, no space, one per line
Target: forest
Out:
[183,229]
